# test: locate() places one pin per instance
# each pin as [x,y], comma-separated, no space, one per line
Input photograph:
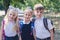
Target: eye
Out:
[13,15]
[10,14]
[26,14]
[29,15]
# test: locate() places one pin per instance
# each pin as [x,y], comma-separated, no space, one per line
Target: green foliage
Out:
[48,4]
[1,5]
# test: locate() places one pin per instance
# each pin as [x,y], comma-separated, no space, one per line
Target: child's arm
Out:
[17,24]
[52,34]
[34,33]
[50,26]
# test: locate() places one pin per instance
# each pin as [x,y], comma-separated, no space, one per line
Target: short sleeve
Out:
[50,26]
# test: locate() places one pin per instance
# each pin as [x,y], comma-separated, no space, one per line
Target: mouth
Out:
[11,17]
[40,12]
[27,18]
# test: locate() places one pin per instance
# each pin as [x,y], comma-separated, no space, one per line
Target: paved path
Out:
[57,35]
[2,13]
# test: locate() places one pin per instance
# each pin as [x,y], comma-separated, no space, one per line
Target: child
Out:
[26,27]
[42,33]
[10,25]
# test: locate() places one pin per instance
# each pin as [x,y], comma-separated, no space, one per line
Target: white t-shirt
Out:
[41,31]
[9,29]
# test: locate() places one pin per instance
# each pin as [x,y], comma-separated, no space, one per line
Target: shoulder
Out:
[48,20]
[20,21]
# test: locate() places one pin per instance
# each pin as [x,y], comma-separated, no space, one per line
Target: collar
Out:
[26,22]
[40,18]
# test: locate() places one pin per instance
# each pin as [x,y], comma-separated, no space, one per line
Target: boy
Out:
[41,32]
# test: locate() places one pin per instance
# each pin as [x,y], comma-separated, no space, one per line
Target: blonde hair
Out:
[6,17]
[11,10]
[28,10]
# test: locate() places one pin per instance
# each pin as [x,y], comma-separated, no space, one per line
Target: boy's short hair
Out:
[38,6]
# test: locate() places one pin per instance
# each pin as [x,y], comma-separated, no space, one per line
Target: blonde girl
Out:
[26,27]
[10,25]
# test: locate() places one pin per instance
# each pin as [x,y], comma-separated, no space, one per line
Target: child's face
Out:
[38,13]
[12,15]
[27,15]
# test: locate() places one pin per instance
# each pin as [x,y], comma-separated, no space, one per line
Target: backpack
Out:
[45,24]
[3,35]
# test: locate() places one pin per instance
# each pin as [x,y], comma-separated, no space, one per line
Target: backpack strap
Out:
[3,35]
[2,23]
[46,24]
[20,24]
[32,25]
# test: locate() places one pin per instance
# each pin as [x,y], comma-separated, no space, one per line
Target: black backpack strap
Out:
[51,22]
[46,24]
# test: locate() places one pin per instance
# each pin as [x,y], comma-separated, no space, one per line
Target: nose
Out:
[27,16]
[11,16]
